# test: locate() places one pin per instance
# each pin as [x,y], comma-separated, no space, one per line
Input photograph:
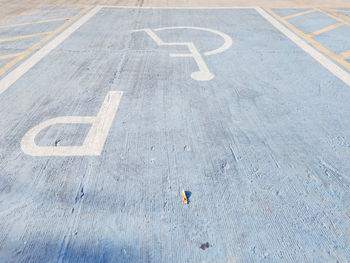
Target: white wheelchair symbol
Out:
[203,74]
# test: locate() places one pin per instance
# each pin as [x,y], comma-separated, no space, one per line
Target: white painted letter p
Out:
[95,139]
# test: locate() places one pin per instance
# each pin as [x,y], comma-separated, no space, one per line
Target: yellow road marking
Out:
[20,14]
[36,22]
[11,55]
[39,12]
[24,36]
[326,62]
[323,30]
[310,40]
[345,54]
[339,18]
[299,14]
[47,38]
[339,10]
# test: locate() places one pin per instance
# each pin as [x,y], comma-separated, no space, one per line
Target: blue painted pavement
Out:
[263,147]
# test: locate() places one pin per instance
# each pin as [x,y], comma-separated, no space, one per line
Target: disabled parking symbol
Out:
[101,124]
[203,74]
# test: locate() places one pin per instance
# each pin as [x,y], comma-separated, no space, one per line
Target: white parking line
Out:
[13,76]
[174,7]
[322,59]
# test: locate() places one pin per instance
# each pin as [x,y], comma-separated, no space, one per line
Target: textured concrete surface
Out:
[13,8]
[263,148]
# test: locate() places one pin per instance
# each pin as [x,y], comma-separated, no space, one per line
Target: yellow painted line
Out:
[323,30]
[300,14]
[11,55]
[345,54]
[24,36]
[326,62]
[338,16]
[20,14]
[339,10]
[36,22]
[40,12]
[310,40]
[38,44]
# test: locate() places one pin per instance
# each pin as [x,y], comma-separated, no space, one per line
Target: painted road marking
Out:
[8,80]
[11,55]
[335,16]
[25,36]
[36,22]
[203,74]
[269,135]
[309,38]
[12,63]
[325,29]
[345,54]
[300,14]
[37,12]
[94,141]
[322,59]
[339,10]
[176,8]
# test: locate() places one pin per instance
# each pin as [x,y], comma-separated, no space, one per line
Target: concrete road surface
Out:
[107,113]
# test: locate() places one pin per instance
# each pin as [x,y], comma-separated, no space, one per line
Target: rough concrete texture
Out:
[262,147]
[13,8]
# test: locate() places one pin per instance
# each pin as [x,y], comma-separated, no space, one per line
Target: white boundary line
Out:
[207,7]
[14,75]
[190,7]
[322,59]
